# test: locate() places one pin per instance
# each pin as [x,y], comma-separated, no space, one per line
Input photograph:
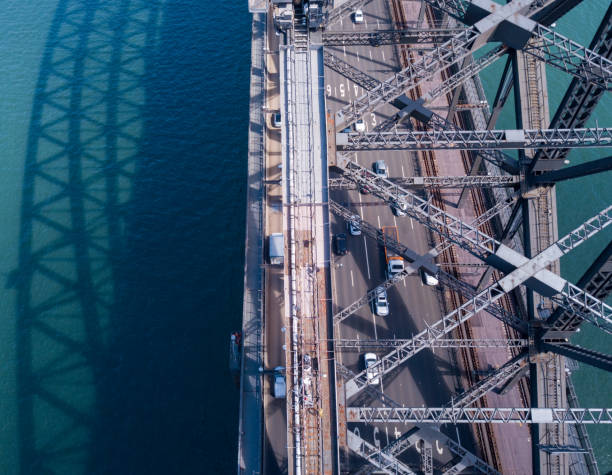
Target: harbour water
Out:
[124,126]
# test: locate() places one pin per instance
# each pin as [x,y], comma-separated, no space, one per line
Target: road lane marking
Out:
[378,23]
[365,20]
[411,224]
[365,245]
[357,56]
[375,332]
[344,47]
[387,432]
[394,221]
[379,226]
[340,21]
[370,51]
[352,280]
[383,54]
[403,173]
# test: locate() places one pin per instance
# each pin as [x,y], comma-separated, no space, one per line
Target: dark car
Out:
[340,244]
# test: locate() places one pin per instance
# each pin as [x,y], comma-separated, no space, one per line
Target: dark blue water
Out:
[124,198]
[124,128]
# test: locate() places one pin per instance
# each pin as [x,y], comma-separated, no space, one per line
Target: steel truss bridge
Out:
[520,33]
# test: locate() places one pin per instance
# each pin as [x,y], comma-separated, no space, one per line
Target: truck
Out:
[395,263]
[276,249]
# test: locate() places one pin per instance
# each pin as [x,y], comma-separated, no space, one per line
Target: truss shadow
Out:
[112,370]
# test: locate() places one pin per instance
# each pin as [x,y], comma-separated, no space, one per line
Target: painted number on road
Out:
[328,90]
[373,119]
[342,90]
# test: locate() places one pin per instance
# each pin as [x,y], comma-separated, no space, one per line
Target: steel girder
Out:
[597,280]
[479,181]
[422,340]
[474,139]
[441,57]
[389,37]
[356,344]
[417,261]
[488,249]
[496,378]
[564,54]
[348,71]
[496,157]
[376,457]
[552,48]
[578,353]
[584,169]
[478,415]
[581,97]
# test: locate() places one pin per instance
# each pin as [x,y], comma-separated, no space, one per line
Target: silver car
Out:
[370,360]
[380,168]
[354,225]
[380,302]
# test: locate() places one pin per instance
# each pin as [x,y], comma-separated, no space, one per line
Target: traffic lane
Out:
[275,459]
[375,16]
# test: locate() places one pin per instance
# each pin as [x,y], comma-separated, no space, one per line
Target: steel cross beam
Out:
[479,181]
[489,250]
[413,75]
[581,98]
[349,71]
[376,457]
[371,294]
[357,344]
[422,340]
[552,48]
[478,415]
[433,121]
[474,139]
[415,260]
[493,380]
[389,37]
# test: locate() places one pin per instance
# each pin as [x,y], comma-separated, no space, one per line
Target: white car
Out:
[398,208]
[380,302]
[276,120]
[360,126]
[370,360]
[354,225]
[280,387]
[429,279]
[358,16]
[380,168]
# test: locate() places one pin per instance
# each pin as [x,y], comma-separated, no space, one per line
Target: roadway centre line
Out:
[375,332]
[365,245]
[352,280]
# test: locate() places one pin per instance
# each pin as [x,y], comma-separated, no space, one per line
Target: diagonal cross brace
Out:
[485,247]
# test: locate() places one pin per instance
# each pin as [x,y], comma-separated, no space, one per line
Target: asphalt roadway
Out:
[429,378]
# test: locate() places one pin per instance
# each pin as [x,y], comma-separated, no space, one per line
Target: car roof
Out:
[369,356]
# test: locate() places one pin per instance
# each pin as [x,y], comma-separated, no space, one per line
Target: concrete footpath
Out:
[250,417]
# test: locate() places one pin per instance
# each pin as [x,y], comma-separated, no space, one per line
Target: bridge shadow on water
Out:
[130,275]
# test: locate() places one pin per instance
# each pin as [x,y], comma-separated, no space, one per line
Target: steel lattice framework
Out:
[389,37]
[477,181]
[474,415]
[474,139]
